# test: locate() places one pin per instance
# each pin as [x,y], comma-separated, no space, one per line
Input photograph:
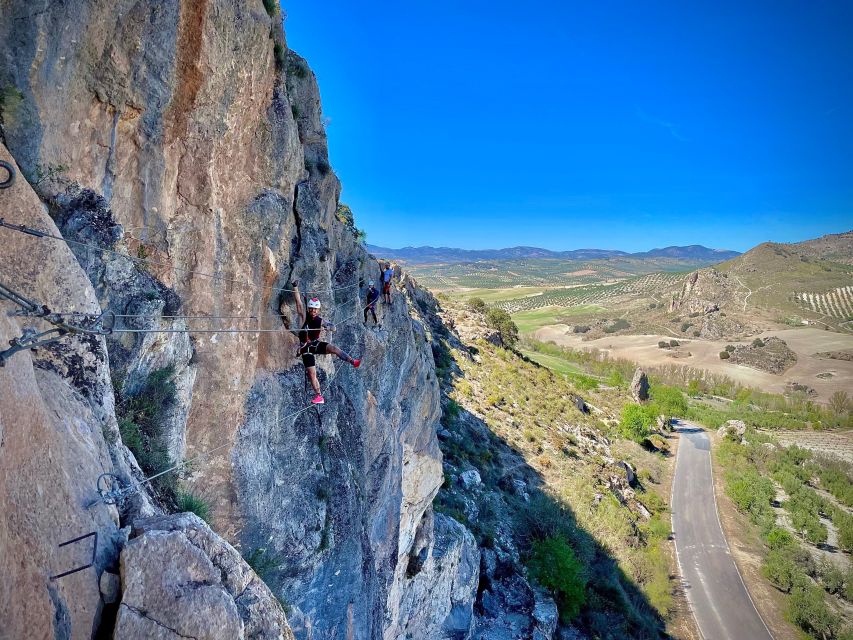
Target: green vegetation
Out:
[272,7]
[140,417]
[262,561]
[186,501]
[280,56]
[554,565]
[789,564]
[636,423]
[499,320]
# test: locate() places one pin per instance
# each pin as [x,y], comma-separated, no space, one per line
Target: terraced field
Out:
[838,444]
[648,286]
[836,303]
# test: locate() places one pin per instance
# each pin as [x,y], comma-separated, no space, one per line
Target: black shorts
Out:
[309,349]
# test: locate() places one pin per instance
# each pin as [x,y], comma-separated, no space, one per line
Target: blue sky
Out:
[621,125]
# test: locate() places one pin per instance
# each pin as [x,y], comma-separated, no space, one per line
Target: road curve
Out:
[714,588]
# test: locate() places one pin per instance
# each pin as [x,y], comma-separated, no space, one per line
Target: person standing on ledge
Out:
[387,274]
[311,328]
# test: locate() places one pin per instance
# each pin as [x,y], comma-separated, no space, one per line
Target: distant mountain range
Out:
[434,255]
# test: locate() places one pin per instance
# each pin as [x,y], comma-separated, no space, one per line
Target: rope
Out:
[120,493]
[43,234]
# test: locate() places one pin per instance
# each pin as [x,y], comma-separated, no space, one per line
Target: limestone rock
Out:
[640,386]
[630,475]
[439,597]
[57,435]
[110,586]
[470,478]
[733,429]
[180,579]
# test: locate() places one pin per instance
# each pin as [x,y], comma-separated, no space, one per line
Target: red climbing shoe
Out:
[318,399]
[356,363]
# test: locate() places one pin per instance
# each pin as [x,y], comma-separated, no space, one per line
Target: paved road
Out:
[714,588]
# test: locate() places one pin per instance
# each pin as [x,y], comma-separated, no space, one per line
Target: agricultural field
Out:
[836,444]
[543,273]
[650,286]
[836,303]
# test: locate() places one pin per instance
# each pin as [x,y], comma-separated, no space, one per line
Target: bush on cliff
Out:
[555,566]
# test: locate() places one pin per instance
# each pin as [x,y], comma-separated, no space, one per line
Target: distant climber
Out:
[372,297]
[311,326]
[387,274]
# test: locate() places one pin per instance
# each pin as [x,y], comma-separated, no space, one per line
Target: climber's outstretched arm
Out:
[300,308]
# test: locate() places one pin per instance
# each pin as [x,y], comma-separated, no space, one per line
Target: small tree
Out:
[501,321]
[839,402]
[782,571]
[724,355]
[807,609]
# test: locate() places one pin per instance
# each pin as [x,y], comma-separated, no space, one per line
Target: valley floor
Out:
[704,354]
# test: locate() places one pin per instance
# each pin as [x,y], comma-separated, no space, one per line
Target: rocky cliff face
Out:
[185,138]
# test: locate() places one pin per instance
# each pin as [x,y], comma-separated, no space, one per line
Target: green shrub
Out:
[807,609]
[554,565]
[501,321]
[685,326]
[272,7]
[674,343]
[778,539]
[140,417]
[831,577]
[844,522]
[782,571]
[752,493]
[262,561]
[663,344]
[187,501]
[758,342]
[730,348]
[724,355]
[477,304]
[279,54]
[636,422]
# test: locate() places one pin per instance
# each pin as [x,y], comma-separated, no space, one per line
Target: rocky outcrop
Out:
[772,355]
[640,386]
[188,138]
[179,579]
[732,429]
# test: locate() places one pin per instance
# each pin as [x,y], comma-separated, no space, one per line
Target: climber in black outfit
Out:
[311,326]
[372,297]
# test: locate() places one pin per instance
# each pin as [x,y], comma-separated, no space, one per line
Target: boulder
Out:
[640,386]
[733,429]
[180,579]
[470,479]
[630,475]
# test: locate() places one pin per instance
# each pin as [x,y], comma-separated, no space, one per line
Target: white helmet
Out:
[370,283]
[314,303]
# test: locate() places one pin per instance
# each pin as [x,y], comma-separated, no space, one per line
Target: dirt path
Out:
[705,354]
